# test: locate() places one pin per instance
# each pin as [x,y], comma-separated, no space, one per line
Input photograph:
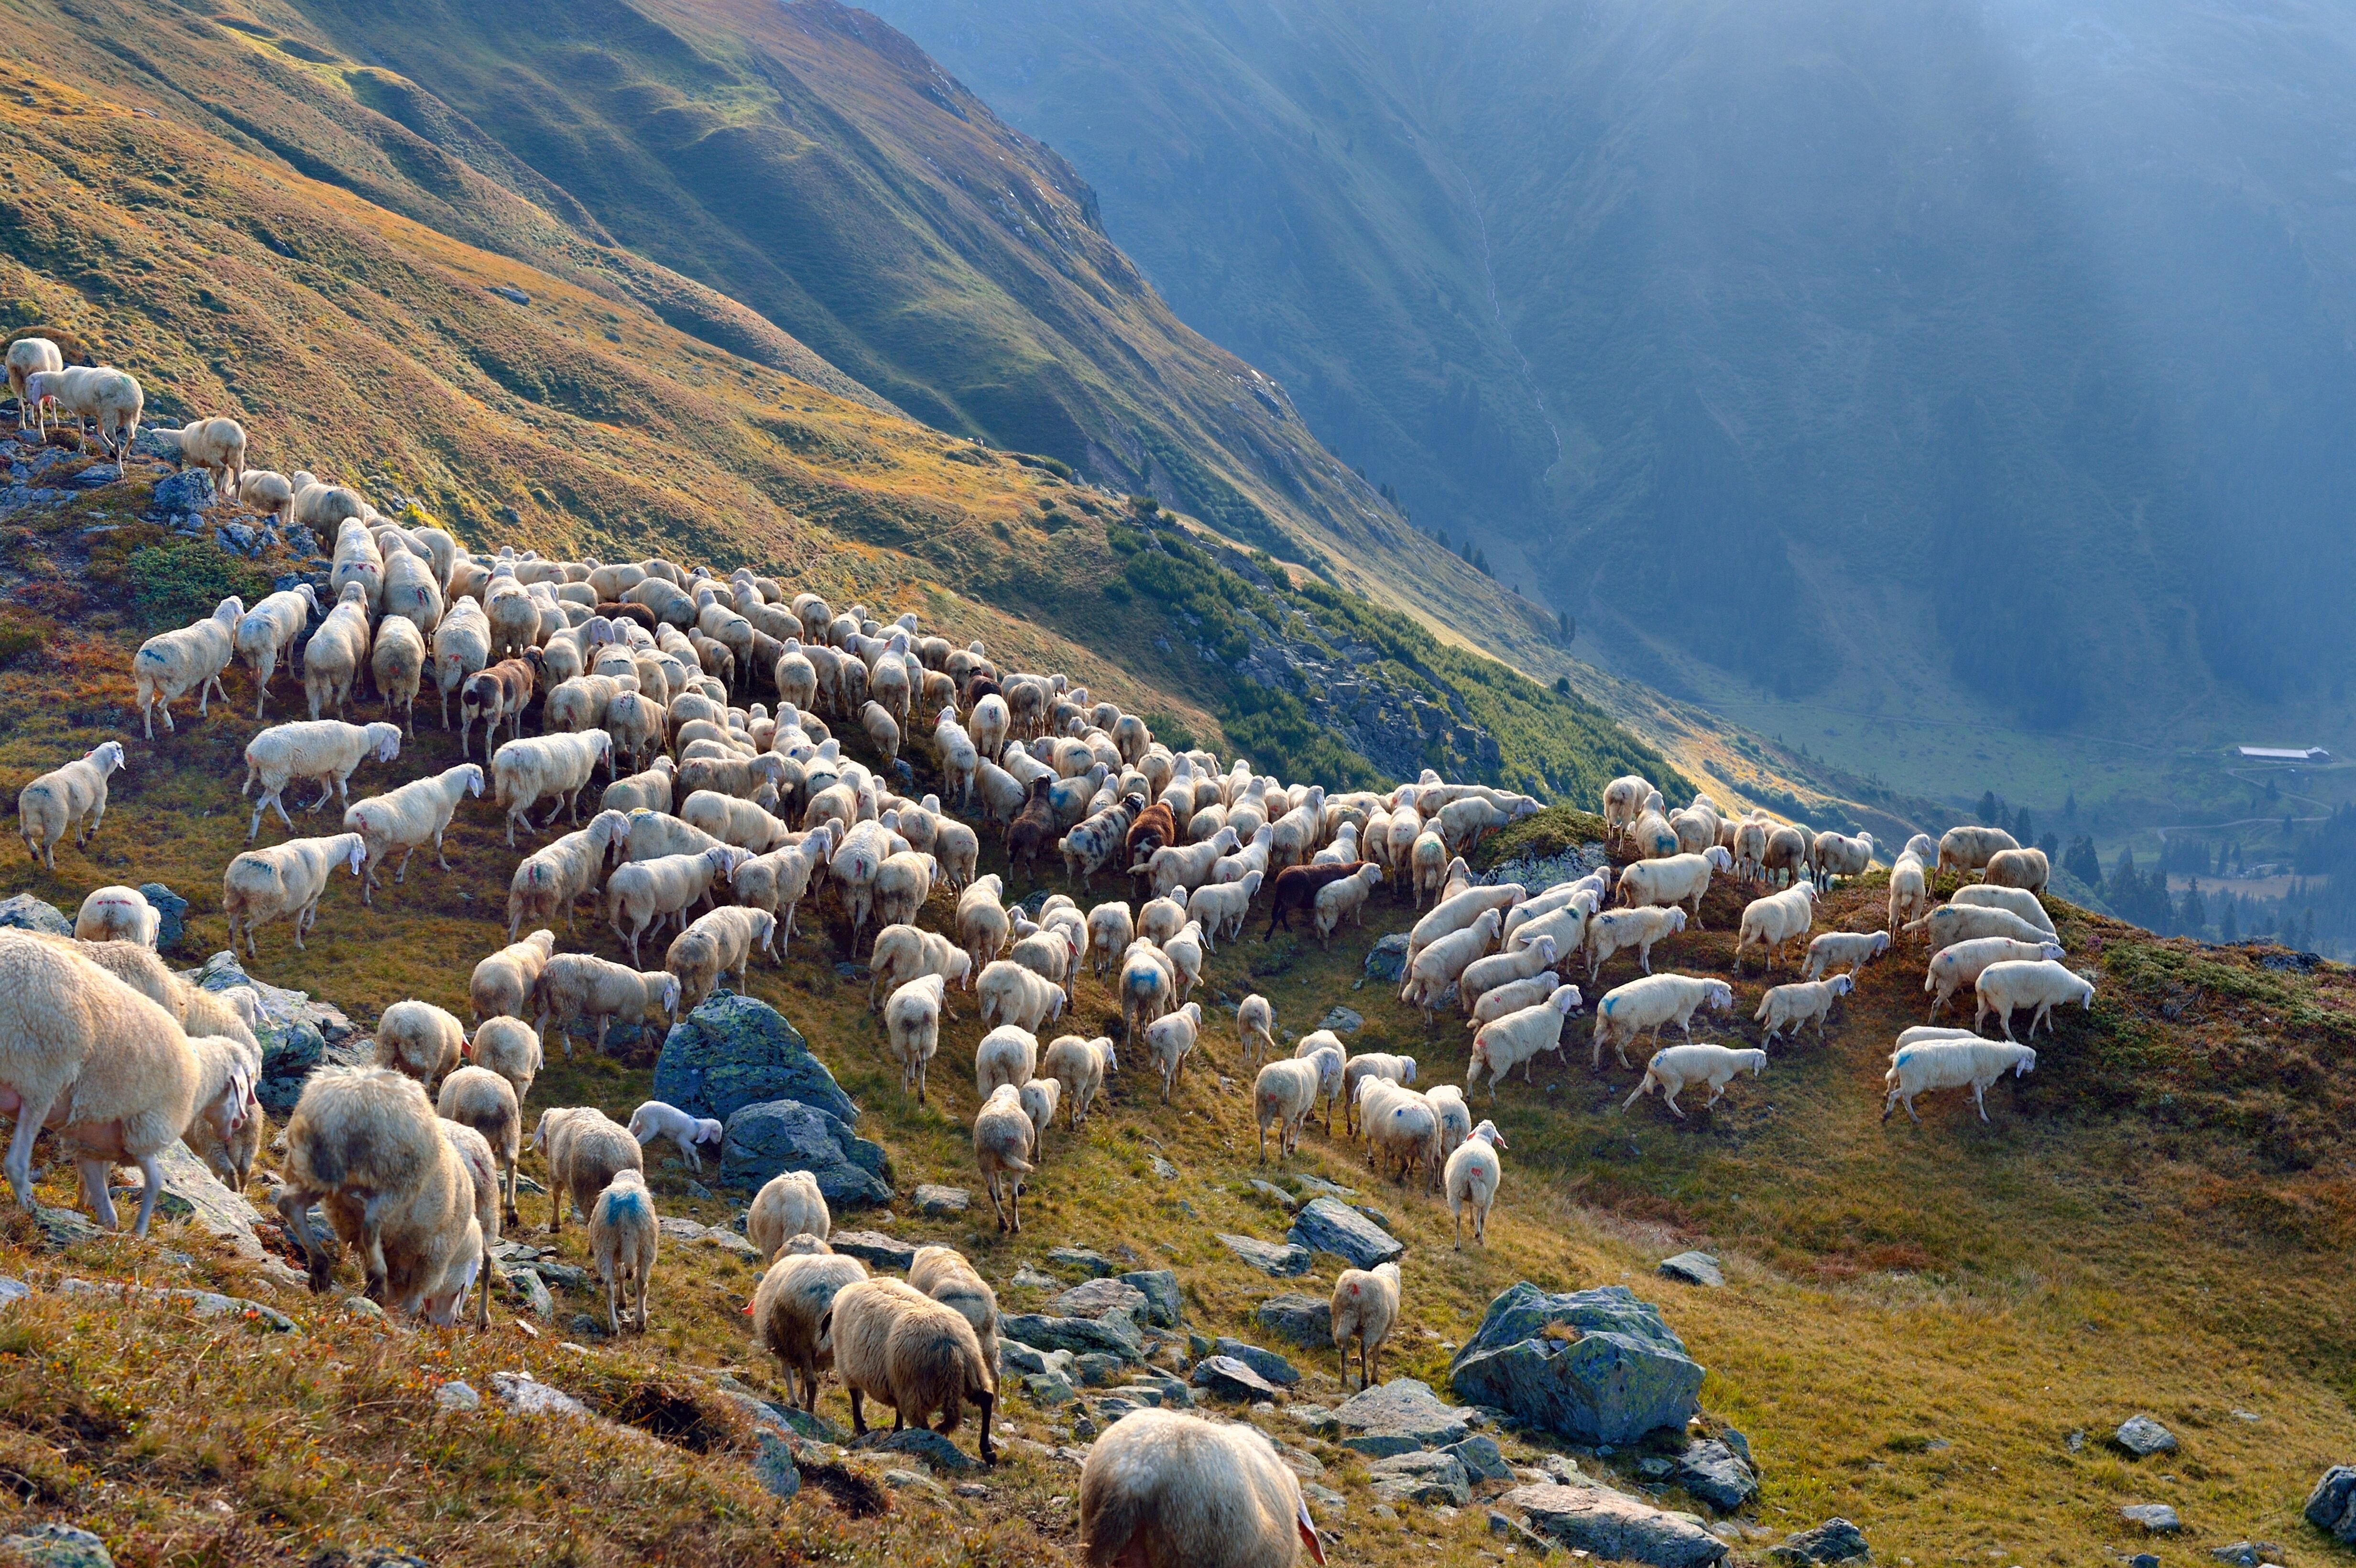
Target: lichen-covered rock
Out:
[56,1546]
[1095,1297]
[23,911]
[774,1136]
[1398,1417]
[171,912]
[1225,1377]
[296,1033]
[1387,960]
[1266,1363]
[1614,1527]
[1424,1477]
[1329,1225]
[1114,1334]
[190,490]
[2331,1507]
[1163,1305]
[1834,1541]
[1713,1472]
[1305,1320]
[732,1051]
[1269,1258]
[2142,1437]
[1621,1372]
[1694,1268]
[934,1451]
[874,1249]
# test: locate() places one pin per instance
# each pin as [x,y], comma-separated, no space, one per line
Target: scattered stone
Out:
[96,476]
[1398,1417]
[1622,1374]
[526,1395]
[361,1307]
[1327,1225]
[1482,1461]
[512,295]
[13,1290]
[454,1395]
[203,1302]
[1095,1297]
[1342,1020]
[2331,1507]
[938,1202]
[1315,1418]
[2251,1416]
[1098,1368]
[1387,960]
[1283,1262]
[1421,1476]
[1224,1377]
[1693,1268]
[1305,1320]
[1113,1334]
[1266,1363]
[56,1546]
[2075,1442]
[536,1294]
[1712,1471]
[171,909]
[1048,1390]
[1310,1186]
[1029,1278]
[874,1249]
[773,1464]
[1163,1305]
[1095,1264]
[970,1489]
[23,911]
[910,1481]
[774,1136]
[1275,1194]
[2246,1553]
[2142,1437]
[2157,1518]
[63,1228]
[1164,1168]
[1615,1527]
[191,490]
[734,1050]
[1325,1499]
[919,1443]
[1834,1541]
[1513,1532]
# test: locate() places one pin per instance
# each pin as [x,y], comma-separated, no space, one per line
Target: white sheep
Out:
[358,563]
[1080,1065]
[1170,1040]
[1355,1071]
[1002,1139]
[1969,848]
[720,941]
[1400,1124]
[1110,931]
[903,953]
[2025,869]
[412,594]
[1770,922]
[1460,910]
[1436,968]
[117,914]
[543,767]
[585,1148]
[70,799]
[1284,1093]
[2019,900]
[893,1343]
[1796,1006]
[268,492]
[1909,891]
[648,791]
[1954,922]
[1520,1038]
[100,392]
[577,985]
[1010,994]
[283,881]
[551,879]
[1839,855]
[1255,1027]
[1365,1308]
[1343,899]
[408,818]
[419,1040]
[1675,1066]
[1623,799]
[482,1098]
[1007,1054]
[695,1136]
[462,649]
[791,1300]
[623,1239]
[1512,997]
[790,1205]
[170,665]
[268,629]
[1220,908]
[1162,1486]
[397,664]
[326,751]
[336,653]
[1674,879]
[1472,1179]
[912,1022]
[510,1048]
[1961,964]
[1852,950]
[1923,1066]
[29,357]
[2042,984]
[1486,975]
[1613,931]
[1649,1003]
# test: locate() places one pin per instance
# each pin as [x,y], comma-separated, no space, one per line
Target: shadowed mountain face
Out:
[1817,351]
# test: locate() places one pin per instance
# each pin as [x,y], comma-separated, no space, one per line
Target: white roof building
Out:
[2284,754]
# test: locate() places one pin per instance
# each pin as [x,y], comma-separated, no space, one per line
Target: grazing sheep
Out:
[1399,1124]
[1520,1038]
[1613,931]
[326,751]
[1965,849]
[501,984]
[585,1149]
[29,357]
[1838,949]
[1647,1004]
[624,1238]
[283,880]
[1472,1180]
[1284,1093]
[943,1274]
[1006,1055]
[462,650]
[421,1039]
[788,1205]
[1366,1305]
[543,767]
[1839,855]
[336,653]
[408,818]
[1961,964]
[720,941]
[912,1022]
[1796,1006]
[1954,922]
[789,1304]
[1080,1065]
[268,629]
[577,985]
[1162,1488]
[117,914]
[398,667]
[1771,921]
[483,1099]
[1003,1142]
[1010,994]
[895,1344]
[170,665]
[1909,890]
[1976,1064]
[2005,988]
[67,799]
[1255,1027]
[1344,898]
[2025,869]
[268,492]
[1675,1066]
[1676,880]
[510,1048]
[695,1136]
[1357,1069]
[1486,975]
[2019,900]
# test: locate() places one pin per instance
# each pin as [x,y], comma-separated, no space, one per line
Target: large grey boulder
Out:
[1619,1374]
[1614,1527]
[1834,1541]
[1266,1363]
[171,914]
[1387,960]
[1225,1377]
[1716,1474]
[1329,1225]
[1114,1334]
[732,1051]
[1398,1417]
[1095,1297]
[1421,1476]
[1268,1257]
[2331,1507]
[776,1136]
[1306,1320]
[874,1249]
[23,911]
[1163,1305]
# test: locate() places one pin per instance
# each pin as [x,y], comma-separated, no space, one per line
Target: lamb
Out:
[1399,1124]
[1797,1005]
[170,665]
[501,984]
[1974,1064]
[943,1274]
[695,1136]
[912,1022]
[1614,930]
[1963,964]
[328,751]
[895,1344]
[1647,1004]
[540,767]
[623,1241]
[1836,949]
[67,799]
[577,985]
[1284,1093]
[1771,921]
[1520,1038]
[1365,1305]
[2025,868]
[2040,983]
[1002,1141]
[1676,880]
[1839,855]
[462,650]
[268,629]
[719,942]
[1472,1179]
[408,818]
[29,357]
[1486,975]
[508,1047]
[1255,1027]
[791,1302]
[1437,967]
[552,878]
[1344,898]
[421,1039]
[482,1099]
[1080,1065]
[1170,1040]
[1954,922]
[1675,1066]
[1006,1055]
[647,892]
[2019,900]
[584,1149]
[790,1205]
[1009,993]
[1968,848]
[289,879]
[1162,1488]
[364,1145]
[117,914]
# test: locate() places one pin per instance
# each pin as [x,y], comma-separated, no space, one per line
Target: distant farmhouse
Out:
[2285,754]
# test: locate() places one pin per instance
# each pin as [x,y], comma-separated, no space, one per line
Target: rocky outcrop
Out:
[298,1035]
[2331,1507]
[732,1051]
[1597,1366]
[1329,1225]
[1398,1417]
[776,1136]
[1614,1527]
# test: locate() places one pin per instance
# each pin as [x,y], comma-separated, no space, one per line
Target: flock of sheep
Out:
[721,815]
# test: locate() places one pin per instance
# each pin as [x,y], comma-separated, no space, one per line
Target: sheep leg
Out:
[858,1415]
[1979,1099]
[151,1188]
[93,1191]
[613,1322]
